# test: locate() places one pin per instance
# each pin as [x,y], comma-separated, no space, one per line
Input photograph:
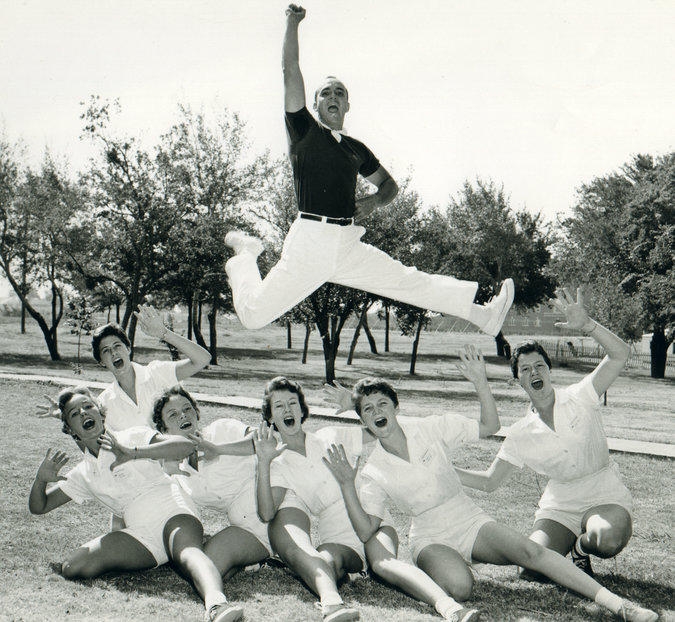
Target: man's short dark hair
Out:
[527,347]
[161,401]
[281,383]
[106,331]
[368,386]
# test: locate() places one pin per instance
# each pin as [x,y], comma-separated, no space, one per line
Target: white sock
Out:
[608,599]
[213,598]
[446,606]
[331,599]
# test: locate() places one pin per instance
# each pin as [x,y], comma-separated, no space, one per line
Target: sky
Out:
[538,96]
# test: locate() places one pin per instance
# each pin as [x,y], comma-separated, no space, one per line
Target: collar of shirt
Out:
[337,134]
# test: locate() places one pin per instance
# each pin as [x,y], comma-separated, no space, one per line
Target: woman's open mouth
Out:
[537,384]
[289,421]
[380,422]
[186,425]
[88,423]
[117,363]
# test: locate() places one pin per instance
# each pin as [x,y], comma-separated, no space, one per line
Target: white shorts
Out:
[334,526]
[567,502]
[455,524]
[242,512]
[145,517]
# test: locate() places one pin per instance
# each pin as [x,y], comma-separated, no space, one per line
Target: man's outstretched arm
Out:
[294,85]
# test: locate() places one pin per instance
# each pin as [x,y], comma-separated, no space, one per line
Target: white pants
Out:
[315,253]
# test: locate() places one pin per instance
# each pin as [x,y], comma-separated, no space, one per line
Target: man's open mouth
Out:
[380,422]
[289,421]
[332,108]
[186,425]
[537,384]
[88,424]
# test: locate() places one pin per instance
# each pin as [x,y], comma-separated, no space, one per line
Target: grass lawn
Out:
[638,408]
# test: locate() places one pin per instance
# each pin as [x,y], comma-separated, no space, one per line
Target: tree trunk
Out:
[289,335]
[369,334]
[386,328]
[23,305]
[213,336]
[659,352]
[128,308]
[503,346]
[416,343]
[189,320]
[305,346]
[199,315]
[131,333]
[117,312]
[355,337]
[48,333]
[199,338]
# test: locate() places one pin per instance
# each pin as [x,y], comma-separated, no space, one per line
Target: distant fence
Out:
[562,350]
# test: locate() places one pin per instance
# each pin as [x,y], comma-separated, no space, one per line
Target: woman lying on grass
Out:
[222,482]
[586,508]
[123,474]
[448,531]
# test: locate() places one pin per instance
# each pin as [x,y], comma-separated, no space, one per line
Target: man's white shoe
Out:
[241,242]
[499,307]
[630,612]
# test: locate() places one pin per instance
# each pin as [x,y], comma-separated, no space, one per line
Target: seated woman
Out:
[448,531]
[122,473]
[382,548]
[222,482]
[586,508]
[294,484]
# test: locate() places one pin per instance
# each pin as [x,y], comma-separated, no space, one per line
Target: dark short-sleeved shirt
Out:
[325,170]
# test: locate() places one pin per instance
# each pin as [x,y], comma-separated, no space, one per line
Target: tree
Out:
[204,163]
[35,214]
[79,317]
[488,242]
[130,215]
[619,242]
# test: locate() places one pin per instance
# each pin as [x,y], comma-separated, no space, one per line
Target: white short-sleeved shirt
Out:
[429,479]
[307,475]
[92,478]
[577,447]
[218,481]
[151,380]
